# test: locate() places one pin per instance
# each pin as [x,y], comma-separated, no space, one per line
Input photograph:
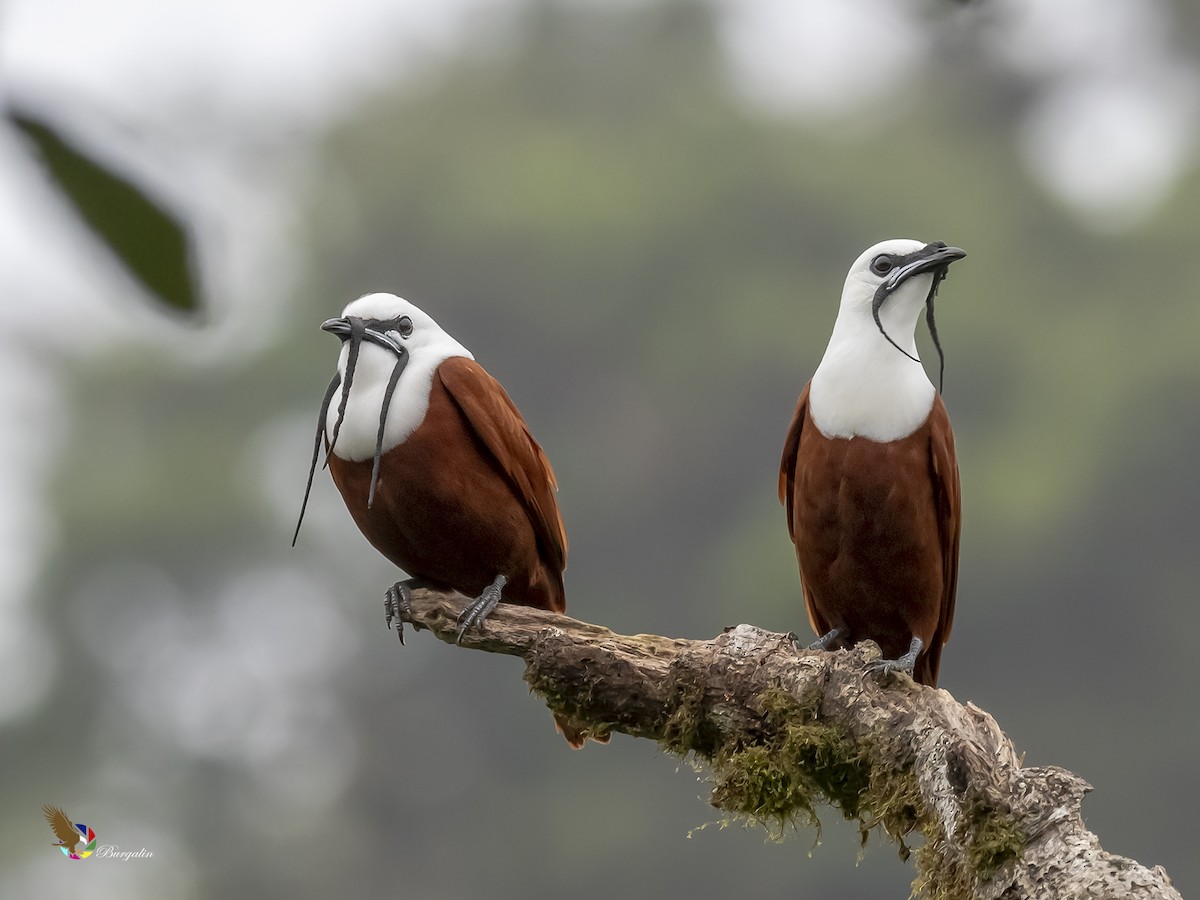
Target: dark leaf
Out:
[148,240]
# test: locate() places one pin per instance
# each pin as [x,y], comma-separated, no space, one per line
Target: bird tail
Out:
[575,733]
[926,669]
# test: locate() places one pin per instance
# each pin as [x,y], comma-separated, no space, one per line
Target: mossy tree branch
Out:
[786,730]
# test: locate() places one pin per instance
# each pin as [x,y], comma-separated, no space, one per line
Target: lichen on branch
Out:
[787,731]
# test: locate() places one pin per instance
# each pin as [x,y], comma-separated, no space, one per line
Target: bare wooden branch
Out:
[785,730]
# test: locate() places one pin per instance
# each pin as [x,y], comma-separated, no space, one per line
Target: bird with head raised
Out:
[869,474]
[436,465]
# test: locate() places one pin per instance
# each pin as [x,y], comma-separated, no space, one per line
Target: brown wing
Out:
[787,466]
[943,467]
[787,496]
[60,824]
[500,427]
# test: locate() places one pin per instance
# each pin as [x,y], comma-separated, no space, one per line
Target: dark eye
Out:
[882,264]
[404,326]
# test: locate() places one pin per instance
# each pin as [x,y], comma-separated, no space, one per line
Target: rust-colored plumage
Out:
[869,475]
[438,468]
[467,496]
[876,527]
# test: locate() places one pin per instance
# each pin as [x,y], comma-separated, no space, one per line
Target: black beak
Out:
[935,258]
[929,258]
[341,327]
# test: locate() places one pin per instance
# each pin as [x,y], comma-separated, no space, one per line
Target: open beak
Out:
[341,327]
[929,258]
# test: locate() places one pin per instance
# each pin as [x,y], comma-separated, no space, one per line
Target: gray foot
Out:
[823,642]
[397,598]
[905,663]
[481,608]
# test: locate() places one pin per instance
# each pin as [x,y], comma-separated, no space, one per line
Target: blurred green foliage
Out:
[652,271]
[148,240]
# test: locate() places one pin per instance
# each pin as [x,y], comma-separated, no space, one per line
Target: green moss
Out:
[794,763]
[798,763]
[685,730]
[997,839]
[992,838]
[553,687]
[775,784]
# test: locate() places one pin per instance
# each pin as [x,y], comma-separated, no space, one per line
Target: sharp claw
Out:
[480,609]
[396,599]
[888,666]
[906,663]
[471,616]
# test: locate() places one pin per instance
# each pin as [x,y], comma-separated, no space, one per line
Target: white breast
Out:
[865,387]
[410,400]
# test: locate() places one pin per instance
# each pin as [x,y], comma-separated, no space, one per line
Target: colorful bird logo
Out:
[70,834]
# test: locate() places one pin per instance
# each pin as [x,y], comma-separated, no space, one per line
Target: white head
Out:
[870,383]
[392,334]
